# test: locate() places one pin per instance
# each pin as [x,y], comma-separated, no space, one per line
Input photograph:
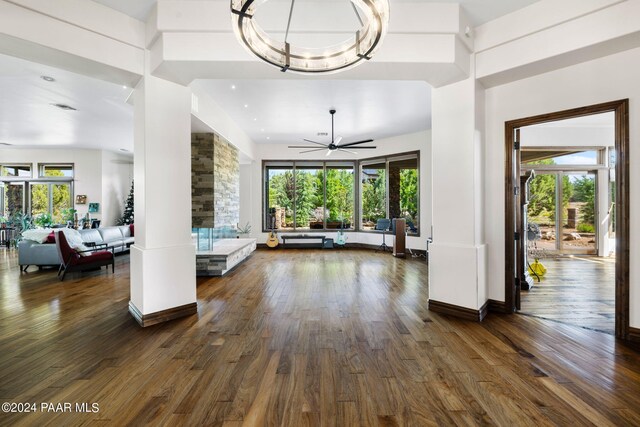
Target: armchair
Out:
[72,260]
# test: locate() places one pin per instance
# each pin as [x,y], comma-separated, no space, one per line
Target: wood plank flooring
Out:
[299,338]
[579,291]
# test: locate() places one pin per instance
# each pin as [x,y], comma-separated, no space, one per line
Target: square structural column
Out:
[458,256]
[163,262]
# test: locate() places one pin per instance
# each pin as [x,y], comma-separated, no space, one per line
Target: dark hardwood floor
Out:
[579,291]
[296,338]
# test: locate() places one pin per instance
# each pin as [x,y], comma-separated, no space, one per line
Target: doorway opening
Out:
[567,217]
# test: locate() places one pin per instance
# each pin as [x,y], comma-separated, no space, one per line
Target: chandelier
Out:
[373,16]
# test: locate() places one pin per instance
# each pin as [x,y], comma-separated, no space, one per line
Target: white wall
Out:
[95,175]
[420,141]
[117,175]
[606,79]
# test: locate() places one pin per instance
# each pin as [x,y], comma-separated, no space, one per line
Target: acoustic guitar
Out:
[272,240]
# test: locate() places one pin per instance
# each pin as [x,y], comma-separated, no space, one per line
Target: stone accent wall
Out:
[215,182]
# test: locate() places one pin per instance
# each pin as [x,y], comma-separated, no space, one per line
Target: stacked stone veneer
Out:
[215,182]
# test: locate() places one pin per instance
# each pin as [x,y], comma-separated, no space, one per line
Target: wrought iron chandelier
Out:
[373,16]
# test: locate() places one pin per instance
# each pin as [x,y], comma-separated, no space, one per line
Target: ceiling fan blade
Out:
[357,142]
[315,142]
[348,151]
[368,147]
[337,141]
[303,146]
[329,152]
[311,151]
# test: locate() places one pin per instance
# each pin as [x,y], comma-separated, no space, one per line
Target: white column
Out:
[163,276]
[457,257]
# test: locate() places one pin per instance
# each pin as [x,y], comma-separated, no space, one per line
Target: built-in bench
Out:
[286,237]
[223,255]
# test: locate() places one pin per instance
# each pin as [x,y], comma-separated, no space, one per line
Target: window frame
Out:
[353,164]
[357,189]
[386,159]
[43,166]
[16,178]
[49,184]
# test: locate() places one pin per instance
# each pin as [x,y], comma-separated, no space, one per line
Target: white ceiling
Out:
[103,119]
[479,11]
[286,111]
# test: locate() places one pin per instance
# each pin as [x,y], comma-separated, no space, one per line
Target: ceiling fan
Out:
[334,145]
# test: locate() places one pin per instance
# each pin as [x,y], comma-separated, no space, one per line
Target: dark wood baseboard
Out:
[162,316]
[634,334]
[419,252]
[457,311]
[497,306]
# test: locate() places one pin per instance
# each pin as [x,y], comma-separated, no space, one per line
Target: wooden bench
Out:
[286,237]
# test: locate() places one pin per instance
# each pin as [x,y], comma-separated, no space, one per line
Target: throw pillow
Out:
[51,238]
[37,235]
[131,228]
[81,248]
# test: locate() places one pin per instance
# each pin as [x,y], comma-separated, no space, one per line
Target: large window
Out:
[317,195]
[50,198]
[309,195]
[389,189]
[374,193]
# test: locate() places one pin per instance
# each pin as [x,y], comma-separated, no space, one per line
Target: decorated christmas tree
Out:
[127,216]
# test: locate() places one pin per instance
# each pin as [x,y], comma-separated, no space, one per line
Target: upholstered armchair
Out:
[74,260]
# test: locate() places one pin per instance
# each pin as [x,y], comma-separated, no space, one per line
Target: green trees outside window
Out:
[51,198]
[296,197]
[318,195]
[374,195]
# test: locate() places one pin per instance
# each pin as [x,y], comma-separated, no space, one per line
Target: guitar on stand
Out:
[272,240]
[341,238]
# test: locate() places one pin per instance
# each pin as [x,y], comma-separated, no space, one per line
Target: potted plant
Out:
[3,221]
[43,220]
[68,215]
[21,222]
[244,230]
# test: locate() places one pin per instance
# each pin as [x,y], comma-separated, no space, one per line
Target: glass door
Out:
[579,229]
[563,206]
[541,210]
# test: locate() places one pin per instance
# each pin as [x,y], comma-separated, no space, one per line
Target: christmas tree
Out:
[127,216]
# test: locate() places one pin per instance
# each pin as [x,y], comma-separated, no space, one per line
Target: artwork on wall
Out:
[94,207]
[81,199]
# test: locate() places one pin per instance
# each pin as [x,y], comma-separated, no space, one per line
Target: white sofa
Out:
[117,238]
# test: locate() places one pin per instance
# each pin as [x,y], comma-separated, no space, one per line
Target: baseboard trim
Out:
[419,252]
[633,335]
[497,306]
[458,311]
[162,316]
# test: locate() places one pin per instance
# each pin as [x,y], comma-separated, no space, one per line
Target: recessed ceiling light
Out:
[64,107]
[261,130]
[255,120]
[246,105]
[268,137]
[48,78]
[124,86]
[233,87]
